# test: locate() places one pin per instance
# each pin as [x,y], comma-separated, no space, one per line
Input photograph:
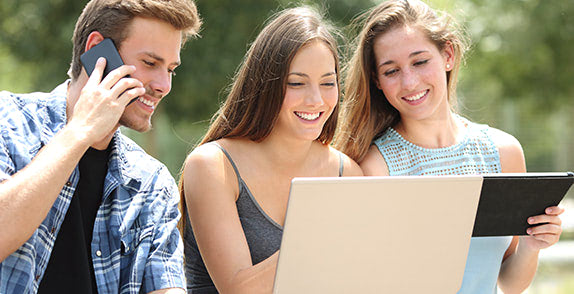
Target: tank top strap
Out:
[340,163]
[230,161]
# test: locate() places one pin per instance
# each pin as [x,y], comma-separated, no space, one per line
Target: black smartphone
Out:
[106,49]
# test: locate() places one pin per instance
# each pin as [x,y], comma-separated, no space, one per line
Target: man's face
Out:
[153,47]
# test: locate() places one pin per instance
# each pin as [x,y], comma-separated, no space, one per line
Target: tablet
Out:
[377,234]
[507,200]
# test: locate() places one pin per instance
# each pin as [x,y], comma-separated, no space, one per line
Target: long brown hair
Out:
[366,113]
[258,89]
[112,17]
[256,94]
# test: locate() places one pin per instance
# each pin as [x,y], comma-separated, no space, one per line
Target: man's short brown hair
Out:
[112,18]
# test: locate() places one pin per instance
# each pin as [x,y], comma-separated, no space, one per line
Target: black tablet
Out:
[507,200]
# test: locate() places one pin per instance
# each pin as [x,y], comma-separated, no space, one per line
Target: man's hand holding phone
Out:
[104,98]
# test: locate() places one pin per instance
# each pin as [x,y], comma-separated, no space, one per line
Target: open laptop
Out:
[377,234]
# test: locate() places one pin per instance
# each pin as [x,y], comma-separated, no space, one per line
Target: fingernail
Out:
[548,210]
[530,220]
[101,59]
[529,231]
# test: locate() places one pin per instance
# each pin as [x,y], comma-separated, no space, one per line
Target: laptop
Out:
[377,234]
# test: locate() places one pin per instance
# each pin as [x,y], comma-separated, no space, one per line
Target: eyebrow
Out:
[410,56]
[160,59]
[306,75]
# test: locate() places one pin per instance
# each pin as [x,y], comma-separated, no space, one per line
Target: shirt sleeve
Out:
[164,268]
[7,167]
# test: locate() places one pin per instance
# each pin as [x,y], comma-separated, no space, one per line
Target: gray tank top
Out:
[263,236]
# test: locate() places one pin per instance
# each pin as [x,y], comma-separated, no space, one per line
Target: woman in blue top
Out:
[277,123]
[398,119]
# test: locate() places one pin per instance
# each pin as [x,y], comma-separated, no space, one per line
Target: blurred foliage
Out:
[517,76]
[37,35]
[524,49]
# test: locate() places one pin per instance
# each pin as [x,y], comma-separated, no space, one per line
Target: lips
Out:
[146,101]
[416,97]
[308,116]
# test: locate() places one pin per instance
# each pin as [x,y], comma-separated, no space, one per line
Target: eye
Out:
[390,72]
[148,63]
[421,62]
[294,84]
[329,84]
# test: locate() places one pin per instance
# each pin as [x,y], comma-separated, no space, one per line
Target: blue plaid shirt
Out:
[136,246]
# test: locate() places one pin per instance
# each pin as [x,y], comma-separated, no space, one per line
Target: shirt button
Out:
[98,253]
[53,230]
[37,277]
[68,183]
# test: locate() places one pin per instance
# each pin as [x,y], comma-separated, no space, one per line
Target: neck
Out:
[431,133]
[288,153]
[74,90]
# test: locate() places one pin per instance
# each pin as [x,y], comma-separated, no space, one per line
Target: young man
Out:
[82,208]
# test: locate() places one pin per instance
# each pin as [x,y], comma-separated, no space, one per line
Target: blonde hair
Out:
[366,113]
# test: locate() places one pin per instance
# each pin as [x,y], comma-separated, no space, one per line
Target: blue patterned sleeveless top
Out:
[474,154]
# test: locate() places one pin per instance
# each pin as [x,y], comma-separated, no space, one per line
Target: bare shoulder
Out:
[374,163]
[207,157]
[350,167]
[207,167]
[510,151]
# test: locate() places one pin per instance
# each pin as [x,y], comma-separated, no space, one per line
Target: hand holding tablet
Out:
[508,201]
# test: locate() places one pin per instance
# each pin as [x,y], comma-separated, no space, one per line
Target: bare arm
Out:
[27,196]
[211,189]
[521,259]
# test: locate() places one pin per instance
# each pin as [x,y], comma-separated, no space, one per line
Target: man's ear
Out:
[93,39]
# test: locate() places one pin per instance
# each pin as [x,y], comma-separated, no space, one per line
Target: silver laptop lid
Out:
[377,234]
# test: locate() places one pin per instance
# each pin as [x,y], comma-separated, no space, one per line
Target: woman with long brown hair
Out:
[399,120]
[277,123]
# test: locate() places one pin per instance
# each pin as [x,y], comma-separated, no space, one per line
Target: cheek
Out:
[435,73]
[331,97]
[289,99]
[141,74]
[388,86]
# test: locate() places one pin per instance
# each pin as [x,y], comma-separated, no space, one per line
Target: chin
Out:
[137,126]
[310,137]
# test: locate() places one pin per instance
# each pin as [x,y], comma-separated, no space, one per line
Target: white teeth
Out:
[308,116]
[416,97]
[145,101]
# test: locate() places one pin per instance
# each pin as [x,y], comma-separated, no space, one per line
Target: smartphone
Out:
[106,49]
